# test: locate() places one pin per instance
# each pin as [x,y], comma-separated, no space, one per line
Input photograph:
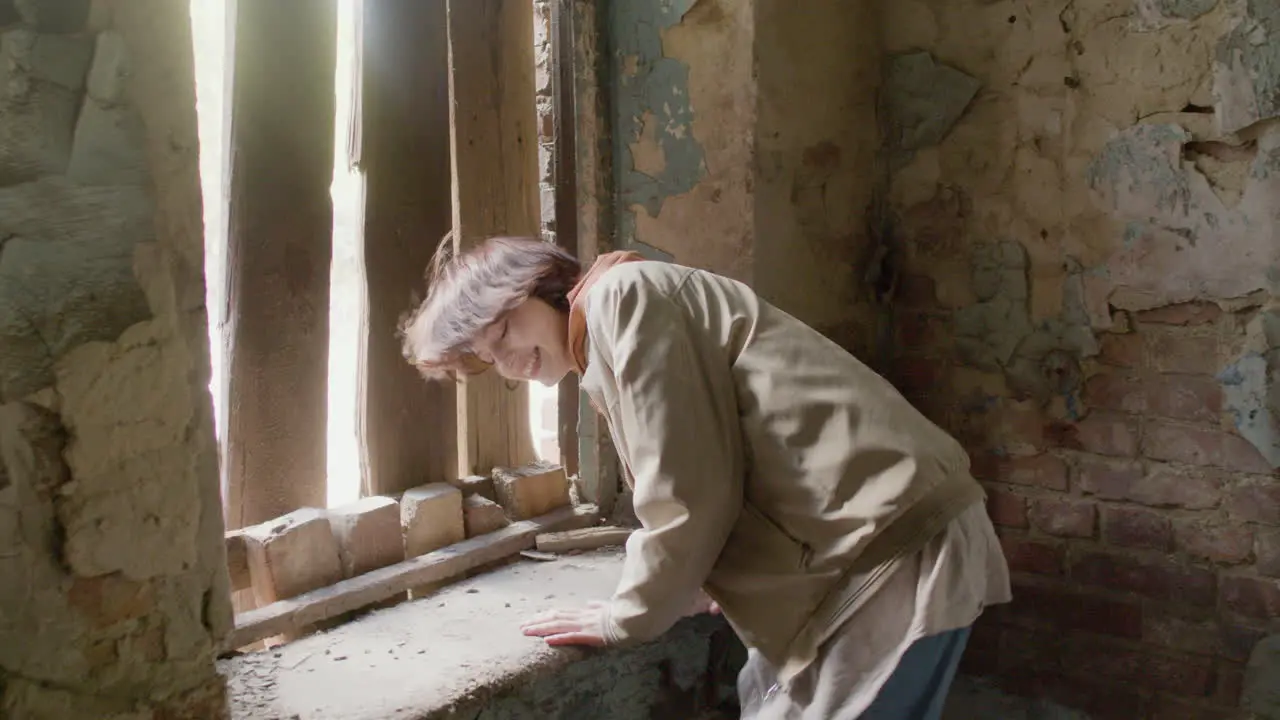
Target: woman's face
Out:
[530,343]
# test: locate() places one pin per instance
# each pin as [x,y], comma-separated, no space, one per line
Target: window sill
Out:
[459,653]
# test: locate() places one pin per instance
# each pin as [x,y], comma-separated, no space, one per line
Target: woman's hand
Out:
[569,627]
[702,603]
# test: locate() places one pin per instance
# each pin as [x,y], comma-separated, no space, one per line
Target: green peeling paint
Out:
[659,86]
[1249,57]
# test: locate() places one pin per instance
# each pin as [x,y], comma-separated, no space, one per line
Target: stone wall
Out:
[115,591]
[1087,198]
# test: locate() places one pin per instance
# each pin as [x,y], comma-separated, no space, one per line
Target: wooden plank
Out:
[593,194]
[493,123]
[408,208]
[584,539]
[238,560]
[448,563]
[564,177]
[279,242]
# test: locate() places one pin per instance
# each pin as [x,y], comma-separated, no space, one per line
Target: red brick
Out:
[1101,699]
[1017,428]
[1133,528]
[1042,470]
[1158,579]
[1006,508]
[1065,609]
[1180,631]
[917,376]
[982,653]
[1123,391]
[1104,433]
[1038,649]
[1029,556]
[1193,355]
[1214,542]
[1175,708]
[917,291]
[1252,597]
[1184,675]
[1164,486]
[1238,641]
[918,330]
[1109,479]
[1230,683]
[1267,552]
[1183,314]
[1255,502]
[1184,397]
[1064,517]
[1194,446]
[106,600]
[1121,350]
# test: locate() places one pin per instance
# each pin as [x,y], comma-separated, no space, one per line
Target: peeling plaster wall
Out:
[745,142]
[115,593]
[818,69]
[1086,194]
[684,105]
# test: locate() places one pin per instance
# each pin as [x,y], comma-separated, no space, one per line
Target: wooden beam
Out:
[495,192]
[564,177]
[591,538]
[280,228]
[590,116]
[404,158]
[446,564]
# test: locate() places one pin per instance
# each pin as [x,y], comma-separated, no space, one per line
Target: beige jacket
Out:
[770,467]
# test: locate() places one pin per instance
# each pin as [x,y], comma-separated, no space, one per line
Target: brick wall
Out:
[543,86]
[1143,535]
[1085,253]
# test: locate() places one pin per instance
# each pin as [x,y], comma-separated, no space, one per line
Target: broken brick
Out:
[1192,313]
[368,534]
[481,485]
[1064,517]
[106,600]
[1252,597]
[1006,509]
[1164,486]
[1029,556]
[431,517]
[1156,579]
[1121,350]
[532,490]
[1182,354]
[1255,502]
[1042,470]
[1268,552]
[1217,543]
[291,555]
[482,516]
[1105,433]
[1133,528]
[1195,446]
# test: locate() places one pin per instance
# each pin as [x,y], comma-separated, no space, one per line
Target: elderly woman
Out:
[775,476]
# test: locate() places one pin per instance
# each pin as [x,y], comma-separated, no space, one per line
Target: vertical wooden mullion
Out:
[493,125]
[407,427]
[280,224]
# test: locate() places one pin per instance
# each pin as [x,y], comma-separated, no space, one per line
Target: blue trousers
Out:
[917,689]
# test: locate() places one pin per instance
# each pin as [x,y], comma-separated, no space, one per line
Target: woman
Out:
[837,529]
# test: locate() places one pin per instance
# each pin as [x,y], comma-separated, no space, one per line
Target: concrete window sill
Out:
[459,654]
